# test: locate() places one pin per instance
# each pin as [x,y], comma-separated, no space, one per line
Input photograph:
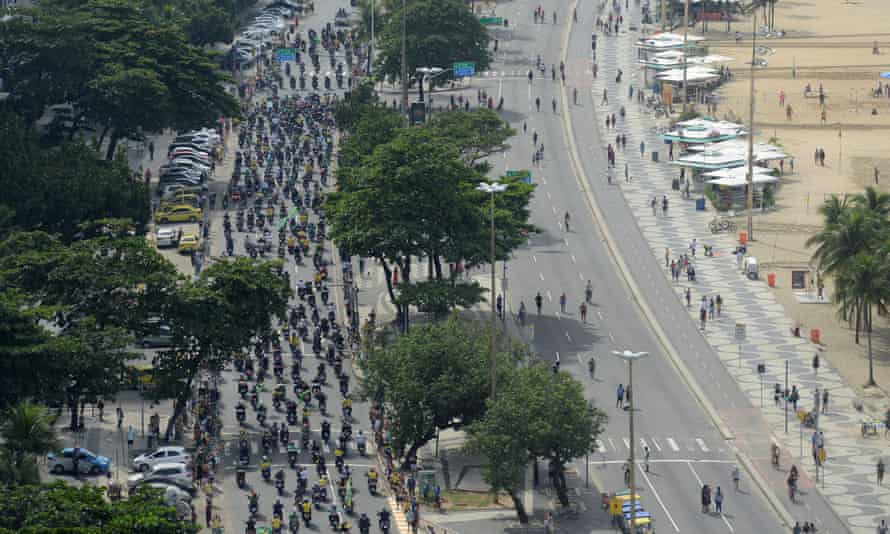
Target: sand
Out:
[829,42]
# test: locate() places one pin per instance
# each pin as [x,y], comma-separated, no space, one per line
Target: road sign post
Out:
[464,69]
[740,338]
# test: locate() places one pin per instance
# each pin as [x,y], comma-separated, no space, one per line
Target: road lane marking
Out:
[534,258]
[549,296]
[612,444]
[600,315]
[581,276]
[643,444]
[701,443]
[568,336]
[550,198]
[657,446]
[541,276]
[626,443]
[566,241]
[698,478]
[611,336]
[673,445]
[723,517]
[658,498]
[573,259]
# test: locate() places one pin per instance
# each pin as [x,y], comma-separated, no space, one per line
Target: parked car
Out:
[88,462]
[160,336]
[189,243]
[166,237]
[177,474]
[162,455]
[173,494]
[178,213]
[179,197]
[203,157]
[193,162]
[168,189]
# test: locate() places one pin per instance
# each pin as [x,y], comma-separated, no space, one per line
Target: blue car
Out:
[87,462]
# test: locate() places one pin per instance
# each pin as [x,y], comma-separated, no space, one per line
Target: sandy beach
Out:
[828,43]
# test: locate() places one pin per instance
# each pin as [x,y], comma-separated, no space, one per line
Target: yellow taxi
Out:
[169,213]
[189,243]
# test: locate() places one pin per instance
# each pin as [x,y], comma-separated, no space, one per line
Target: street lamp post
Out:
[428,73]
[491,188]
[630,357]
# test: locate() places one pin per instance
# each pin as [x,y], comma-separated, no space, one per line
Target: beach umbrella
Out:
[885,75]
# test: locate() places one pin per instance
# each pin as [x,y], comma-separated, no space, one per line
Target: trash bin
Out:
[699,204]
[771,279]
[675,184]
[743,238]
[655,156]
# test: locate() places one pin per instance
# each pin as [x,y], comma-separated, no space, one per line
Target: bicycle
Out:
[721,224]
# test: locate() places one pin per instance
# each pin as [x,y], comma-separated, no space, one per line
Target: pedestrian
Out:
[671,151]
[646,458]
[605,97]
[825,401]
[711,309]
[627,396]
[692,245]
[101,406]
[882,528]
[582,309]
[626,174]
[719,301]
[703,318]
[412,484]
[151,150]
[880,470]
[642,148]
[877,174]
[688,297]
[796,529]
[718,500]
[788,112]
[653,203]
[131,435]
[824,116]
[667,256]
[620,394]
[208,512]
[736,476]
[120,417]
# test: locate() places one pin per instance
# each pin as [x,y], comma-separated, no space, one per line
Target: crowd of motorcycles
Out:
[275,199]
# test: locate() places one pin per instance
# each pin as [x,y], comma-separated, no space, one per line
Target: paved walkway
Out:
[849,475]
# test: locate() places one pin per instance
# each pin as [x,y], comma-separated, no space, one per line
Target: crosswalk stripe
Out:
[657,446]
[600,446]
[643,444]
[626,443]
[701,443]
[673,445]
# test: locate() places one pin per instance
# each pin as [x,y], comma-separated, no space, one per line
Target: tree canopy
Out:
[537,414]
[61,508]
[437,376]
[119,70]
[55,188]
[438,34]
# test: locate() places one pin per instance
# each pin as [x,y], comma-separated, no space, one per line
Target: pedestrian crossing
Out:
[660,445]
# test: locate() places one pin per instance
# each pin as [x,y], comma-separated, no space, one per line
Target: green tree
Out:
[537,414]
[373,126]
[127,74]
[439,33]
[477,134]
[435,377]
[23,342]
[210,318]
[61,508]
[440,297]
[834,209]
[875,202]
[56,188]
[27,435]
[864,285]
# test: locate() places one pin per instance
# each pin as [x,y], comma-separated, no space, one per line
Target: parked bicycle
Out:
[721,224]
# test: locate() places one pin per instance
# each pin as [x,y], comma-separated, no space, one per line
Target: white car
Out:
[165,237]
[177,474]
[162,455]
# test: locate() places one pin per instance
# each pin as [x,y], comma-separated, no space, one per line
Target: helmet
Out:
[265,458]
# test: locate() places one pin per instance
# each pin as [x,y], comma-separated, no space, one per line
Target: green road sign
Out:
[523,175]
[463,69]
[285,54]
[492,21]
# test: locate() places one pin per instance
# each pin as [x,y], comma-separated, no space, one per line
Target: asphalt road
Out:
[232,503]
[686,448]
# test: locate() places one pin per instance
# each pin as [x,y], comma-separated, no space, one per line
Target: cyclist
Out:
[539,300]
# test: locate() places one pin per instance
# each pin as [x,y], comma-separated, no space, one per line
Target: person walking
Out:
[151,150]
[736,476]
[562,302]
[582,309]
[539,300]
[620,394]
[825,401]
[120,417]
[882,528]
[131,435]
[642,148]
[667,256]
[880,471]
[718,500]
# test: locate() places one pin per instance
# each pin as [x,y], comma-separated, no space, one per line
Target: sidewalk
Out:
[848,480]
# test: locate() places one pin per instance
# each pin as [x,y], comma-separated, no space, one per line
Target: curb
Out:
[636,296]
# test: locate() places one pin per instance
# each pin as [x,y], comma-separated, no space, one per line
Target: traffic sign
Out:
[523,175]
[285,54]
[740,332]
[463,69]
[492,21]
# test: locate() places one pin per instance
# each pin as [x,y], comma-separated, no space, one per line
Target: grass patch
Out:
[474,500]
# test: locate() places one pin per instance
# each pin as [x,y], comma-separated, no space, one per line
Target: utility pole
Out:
[663,14]
[371,48]
[749,204]
[685,54]
[405,61]
[494,312]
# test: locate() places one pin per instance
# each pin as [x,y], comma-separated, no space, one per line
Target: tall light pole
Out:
[749,203]
[373,42]
[405,61]
[630,357]
[491,188]
[685,54]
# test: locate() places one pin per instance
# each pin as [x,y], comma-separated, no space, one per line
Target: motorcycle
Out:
[240,475]
[279,482]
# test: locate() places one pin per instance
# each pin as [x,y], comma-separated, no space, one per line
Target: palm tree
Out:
[856,231]
[834,209]
[363,25]
[874,201]
[27,433]
[866,281]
